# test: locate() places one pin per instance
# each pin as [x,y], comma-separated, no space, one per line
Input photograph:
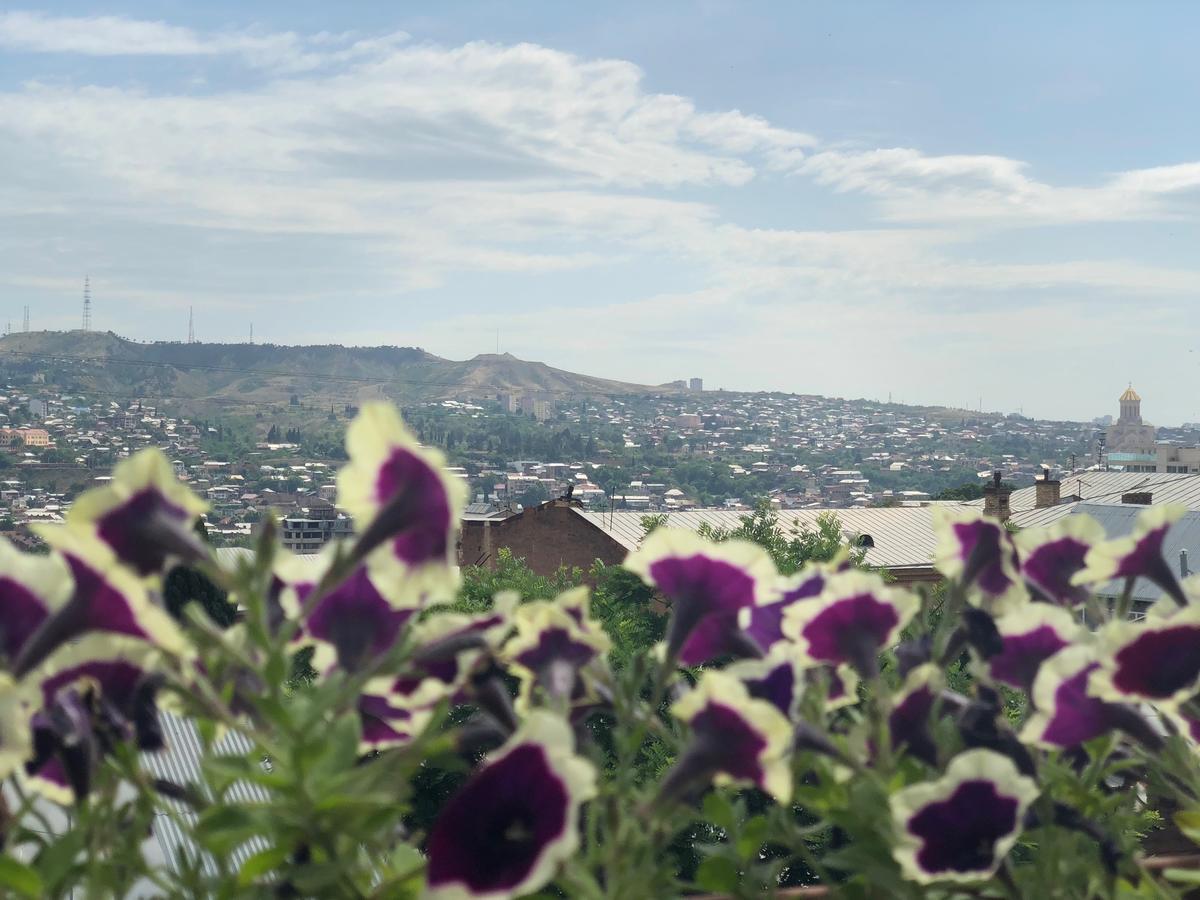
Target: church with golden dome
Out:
[1129,434]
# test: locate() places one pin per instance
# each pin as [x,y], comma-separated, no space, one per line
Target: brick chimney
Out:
[1047,491]
[995,499]
[1138,498]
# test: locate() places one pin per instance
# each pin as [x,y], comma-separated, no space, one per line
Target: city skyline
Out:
[807,199]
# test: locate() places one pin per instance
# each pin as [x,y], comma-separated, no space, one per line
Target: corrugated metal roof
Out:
[179,762]
[1103,487]
[903,536]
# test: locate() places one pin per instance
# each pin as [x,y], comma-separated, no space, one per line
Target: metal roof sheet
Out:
[903,536]
[1103,487]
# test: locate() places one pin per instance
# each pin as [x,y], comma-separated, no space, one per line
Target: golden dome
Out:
[1130,394]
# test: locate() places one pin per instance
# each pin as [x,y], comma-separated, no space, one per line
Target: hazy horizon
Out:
[938,203]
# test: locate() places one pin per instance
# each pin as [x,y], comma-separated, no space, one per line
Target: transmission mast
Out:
[191,326]
[26,318]
[87,304]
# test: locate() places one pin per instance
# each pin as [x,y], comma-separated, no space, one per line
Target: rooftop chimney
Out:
[995,499]
[1138,498]
[1046,490]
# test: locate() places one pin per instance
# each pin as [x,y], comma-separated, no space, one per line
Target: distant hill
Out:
[270,374]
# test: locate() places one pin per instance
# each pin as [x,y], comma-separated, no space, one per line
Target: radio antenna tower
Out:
[87,304]
[191,327]
[27,318]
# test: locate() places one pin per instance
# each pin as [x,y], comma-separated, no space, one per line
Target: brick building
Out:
[547,536]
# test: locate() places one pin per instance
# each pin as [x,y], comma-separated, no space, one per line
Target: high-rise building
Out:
[696,384]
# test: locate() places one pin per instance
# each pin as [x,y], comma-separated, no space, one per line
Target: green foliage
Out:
[790,548]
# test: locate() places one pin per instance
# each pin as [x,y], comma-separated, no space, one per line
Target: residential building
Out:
[309,530]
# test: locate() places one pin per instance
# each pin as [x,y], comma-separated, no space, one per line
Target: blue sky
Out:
[944,203]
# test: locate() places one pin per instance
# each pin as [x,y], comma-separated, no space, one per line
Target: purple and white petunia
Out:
[706,585]
[960,827]
[736,739]
[852,622]
[908,721]
[32,588]
[92,694]
[764,624]
[107,597]
[385,721]
[143,517]
[1156,660]
[401,499]
[1138,555]
[350,625]
[552,645]
[979,552]
[1065,712]
[1030,636]
[516,820]
[1052,556]
[778,678]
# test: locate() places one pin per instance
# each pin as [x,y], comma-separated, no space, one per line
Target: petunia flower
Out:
[401,498]
[778,678]
[764,623]
[448,648]
[93,694]
[707,585]
[16,710]
[386,722]
[31,589]
[1030,636]
[353,623]
[908,721]
[1066,714]
[736,739]
[143,516]
[516,820]
[551,646]
[1156,660]
[842,685]
[1138,555]
[960,827]
[106,598]
[1052,556]
[856,617]
[979,552]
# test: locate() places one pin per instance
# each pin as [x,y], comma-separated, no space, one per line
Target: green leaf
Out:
[57,859]
[718,810]
[753,836]
[718,874]
[1188,822]
[19,878]
[222,828]
[261,863]
[1183,876]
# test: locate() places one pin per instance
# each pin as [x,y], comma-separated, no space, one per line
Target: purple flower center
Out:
[416,502]
[777,687]
[556,645]
[1049,569]
[100,606]
[982,548]
[705,596]
[492,833]
[124,527]
[356,619]
[908,724]
[1023,654]
[727,743]
[850,629]
[1158,664]
[959,834]
[23,613]
[116,679]
[1077,716]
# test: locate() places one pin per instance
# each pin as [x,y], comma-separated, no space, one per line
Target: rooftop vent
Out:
[1138,498]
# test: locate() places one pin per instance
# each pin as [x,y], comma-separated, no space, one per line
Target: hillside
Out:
[268,374]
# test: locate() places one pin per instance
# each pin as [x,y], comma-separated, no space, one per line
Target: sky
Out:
[985,204]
